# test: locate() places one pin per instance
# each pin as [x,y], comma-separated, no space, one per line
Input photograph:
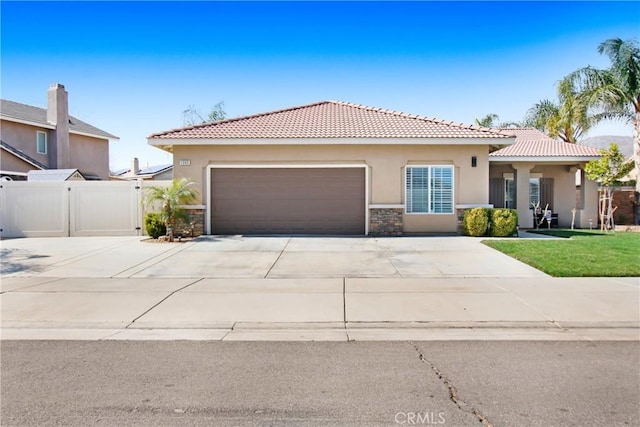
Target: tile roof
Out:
[530,142]
[16,110]
[331,119]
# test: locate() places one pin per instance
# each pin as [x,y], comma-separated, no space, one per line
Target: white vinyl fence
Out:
[71,208]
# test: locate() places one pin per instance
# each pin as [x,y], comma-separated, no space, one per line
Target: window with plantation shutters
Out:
[429,189]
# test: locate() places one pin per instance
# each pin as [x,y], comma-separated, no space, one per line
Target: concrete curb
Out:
[334,331]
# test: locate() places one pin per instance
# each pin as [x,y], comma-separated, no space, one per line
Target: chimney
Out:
[135,166]
[58,115]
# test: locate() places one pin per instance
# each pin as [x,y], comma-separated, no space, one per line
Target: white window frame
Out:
[44,134]
[534,180]
[429,196]
[509,196]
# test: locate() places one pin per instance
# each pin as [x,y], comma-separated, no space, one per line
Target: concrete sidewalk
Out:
[288,288]
[541,308]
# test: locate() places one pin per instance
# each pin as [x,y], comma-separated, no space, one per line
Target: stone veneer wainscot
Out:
[385,221]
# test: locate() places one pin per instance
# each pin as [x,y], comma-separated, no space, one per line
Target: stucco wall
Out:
[386,170]
[90,155]
[9,162]
[23,137]
[86,153]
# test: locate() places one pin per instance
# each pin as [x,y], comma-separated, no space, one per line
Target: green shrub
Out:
[154,225]
[504,222]
[475,222]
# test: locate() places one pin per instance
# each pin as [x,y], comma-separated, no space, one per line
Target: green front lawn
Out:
[581,254]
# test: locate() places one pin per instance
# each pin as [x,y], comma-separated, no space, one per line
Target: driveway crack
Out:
[388,256]
[277,259]
[162,300]
[453,392]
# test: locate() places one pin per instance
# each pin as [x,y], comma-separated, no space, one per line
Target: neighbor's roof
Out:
[152,170]
[332,119]
[51,174]
[27,113]
[531,143]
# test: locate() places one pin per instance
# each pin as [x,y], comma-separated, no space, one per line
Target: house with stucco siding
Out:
[34,138]
[336,168]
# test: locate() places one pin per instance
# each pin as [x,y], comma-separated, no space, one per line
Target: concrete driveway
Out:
[285,288]
[258,257]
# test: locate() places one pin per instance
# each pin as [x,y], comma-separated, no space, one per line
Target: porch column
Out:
[589,203]
[523,173]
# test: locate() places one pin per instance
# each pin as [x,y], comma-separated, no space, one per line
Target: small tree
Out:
[171,198]
[607,171]
[191,116]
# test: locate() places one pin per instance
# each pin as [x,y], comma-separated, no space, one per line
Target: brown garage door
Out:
[288,201]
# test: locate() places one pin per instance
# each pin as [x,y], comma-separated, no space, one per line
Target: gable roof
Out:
[331,119]
[51,174]
[533,144]
[16,111]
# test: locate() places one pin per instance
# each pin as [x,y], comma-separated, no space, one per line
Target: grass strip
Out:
[583,253]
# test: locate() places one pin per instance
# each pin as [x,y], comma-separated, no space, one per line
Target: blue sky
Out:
[131,68]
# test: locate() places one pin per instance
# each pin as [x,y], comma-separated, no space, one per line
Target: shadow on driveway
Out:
[19,261]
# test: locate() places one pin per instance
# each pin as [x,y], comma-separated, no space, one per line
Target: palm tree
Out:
[488,121]
[614,93]
[567,119]
[170,199]
[491,121]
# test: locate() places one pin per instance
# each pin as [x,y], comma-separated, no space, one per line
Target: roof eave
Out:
[23,158]
[26,122]
[165,143]
[52,127]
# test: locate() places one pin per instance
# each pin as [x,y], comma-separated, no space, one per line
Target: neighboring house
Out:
[540,169]
[34,138]
[55,175]
[334,168]
[152,173]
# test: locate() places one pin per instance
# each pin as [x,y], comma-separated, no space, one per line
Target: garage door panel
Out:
[288,201]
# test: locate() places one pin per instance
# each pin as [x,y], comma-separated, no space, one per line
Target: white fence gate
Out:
[71,208]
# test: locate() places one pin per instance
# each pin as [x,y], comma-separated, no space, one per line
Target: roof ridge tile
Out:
[331,119]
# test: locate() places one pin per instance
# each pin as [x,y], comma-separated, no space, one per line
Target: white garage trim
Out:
[207,218]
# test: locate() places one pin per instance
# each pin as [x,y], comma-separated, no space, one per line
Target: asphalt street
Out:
[498,383]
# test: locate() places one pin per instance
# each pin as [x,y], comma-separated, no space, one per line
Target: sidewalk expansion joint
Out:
[163,300]
[53,279]
[453,392]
